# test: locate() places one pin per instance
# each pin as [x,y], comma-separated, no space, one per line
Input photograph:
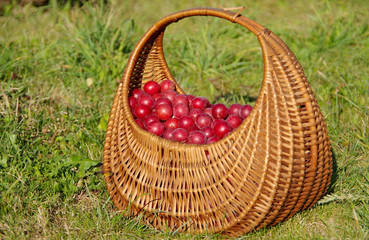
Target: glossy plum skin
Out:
[180,110]
[164,112]
[167,85]
[212,140]
[203,120]
[245,111]
[219,111]
[140,123]
[194,113]
[137,93]
[163,100]
[179,135]
[197,137]
[216,121]
[180,98]
[170,94]
[171,123]
[208,111]
[234,120]
[221,129]
[141,111]
[150,118]
[158,95]
[234,109]
[168,133]
[156,128]
[209,132]
[199,103]
[146,100]
[133,102]
[159,109]
[151,88]
[186,122]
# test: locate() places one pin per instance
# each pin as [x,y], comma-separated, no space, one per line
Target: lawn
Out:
[59,68]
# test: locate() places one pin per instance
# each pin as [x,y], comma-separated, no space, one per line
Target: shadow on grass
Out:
[334,176]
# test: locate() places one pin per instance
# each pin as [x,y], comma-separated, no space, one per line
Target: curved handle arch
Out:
[157,30]
[274,50]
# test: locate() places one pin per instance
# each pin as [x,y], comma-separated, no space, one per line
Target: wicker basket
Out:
[276,163]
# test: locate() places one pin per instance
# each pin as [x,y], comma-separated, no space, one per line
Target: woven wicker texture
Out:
[276,163]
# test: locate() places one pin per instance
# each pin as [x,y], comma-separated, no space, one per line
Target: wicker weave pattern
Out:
[278,162]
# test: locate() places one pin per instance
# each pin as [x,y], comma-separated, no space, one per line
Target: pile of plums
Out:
[159,109]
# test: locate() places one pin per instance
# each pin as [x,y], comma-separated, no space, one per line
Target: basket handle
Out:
[275,51]
[240,9]
[175,17]
[155,34]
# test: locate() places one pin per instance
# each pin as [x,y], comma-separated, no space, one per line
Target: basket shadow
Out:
[335,175]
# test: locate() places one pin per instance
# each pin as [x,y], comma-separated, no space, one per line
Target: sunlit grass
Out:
[59,68]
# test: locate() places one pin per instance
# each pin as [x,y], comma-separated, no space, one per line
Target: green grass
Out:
[59,68]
